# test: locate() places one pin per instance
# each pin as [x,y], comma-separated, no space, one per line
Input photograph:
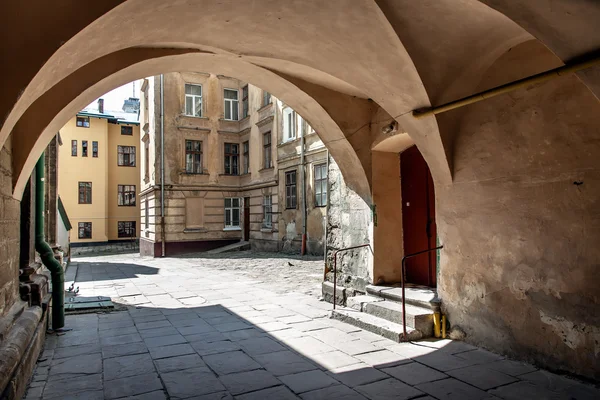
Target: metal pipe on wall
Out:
[303,171]
[326,215]
[162,166]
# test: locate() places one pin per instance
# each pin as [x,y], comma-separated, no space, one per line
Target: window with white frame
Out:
[289,124]
[320,185]
[232,212]
[231,104]
[268,211]
[193,100]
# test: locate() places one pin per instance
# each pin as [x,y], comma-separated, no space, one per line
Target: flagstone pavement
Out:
[250,326]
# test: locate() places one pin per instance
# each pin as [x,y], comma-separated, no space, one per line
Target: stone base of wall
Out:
[264,245]
[20,350]
[154,249]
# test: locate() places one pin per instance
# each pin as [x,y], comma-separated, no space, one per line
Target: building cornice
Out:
[265,121]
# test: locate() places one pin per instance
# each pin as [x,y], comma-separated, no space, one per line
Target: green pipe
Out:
[46,253]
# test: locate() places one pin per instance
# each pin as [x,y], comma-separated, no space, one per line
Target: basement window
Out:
[232,213]
[84,230]
[83,122]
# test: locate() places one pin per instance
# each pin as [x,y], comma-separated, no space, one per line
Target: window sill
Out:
[126,205]
[266,230]
[195,230]
[232,228]
[229,175]
[191,173]
[229,120]
[247,117]
[193,116]
[266,169]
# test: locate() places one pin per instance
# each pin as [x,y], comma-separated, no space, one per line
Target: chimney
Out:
[101,106]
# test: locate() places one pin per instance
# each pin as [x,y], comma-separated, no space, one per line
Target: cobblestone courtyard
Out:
[250,326]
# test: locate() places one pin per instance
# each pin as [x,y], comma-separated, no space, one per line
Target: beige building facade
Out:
[99,176]
[228,149]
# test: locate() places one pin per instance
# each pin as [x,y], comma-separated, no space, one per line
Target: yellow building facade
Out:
[99,177]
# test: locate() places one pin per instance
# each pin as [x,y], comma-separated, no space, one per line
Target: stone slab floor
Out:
[250,326]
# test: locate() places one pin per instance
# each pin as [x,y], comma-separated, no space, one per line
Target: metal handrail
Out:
[404,338]
[335,266]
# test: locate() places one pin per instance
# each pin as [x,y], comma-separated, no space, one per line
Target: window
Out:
[84,148]
[289,124]
[146,160]
[193,100]
[127,130]
[95,149]
[245,101]
[83,122]
[267,211]
[146,216]
[74,148]
[246,157]
[320,185]
[126,229]
[126,195]
[85,192]
[231,158]
[266,98]
[126,156]
[267,150]
[232,212]
[85,230]
[290,189]
[193,156]
[231,104]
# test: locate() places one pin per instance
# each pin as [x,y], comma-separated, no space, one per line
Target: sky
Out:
[113,100]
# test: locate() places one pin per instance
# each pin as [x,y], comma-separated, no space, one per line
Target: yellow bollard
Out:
[443,327]
[436,324]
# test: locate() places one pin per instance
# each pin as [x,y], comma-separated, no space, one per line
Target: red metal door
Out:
[418,217]
[246,218]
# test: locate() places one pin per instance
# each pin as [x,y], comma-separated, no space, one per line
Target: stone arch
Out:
[55,107]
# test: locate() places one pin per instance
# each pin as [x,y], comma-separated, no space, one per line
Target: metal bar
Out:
[508,87]
[335,266]
[404,334]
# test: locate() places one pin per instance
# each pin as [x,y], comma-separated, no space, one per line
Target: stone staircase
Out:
[380,311]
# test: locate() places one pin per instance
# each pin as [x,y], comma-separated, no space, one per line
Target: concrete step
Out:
[371,323]
[416,296]
[359,303]
[241,245]
[418,318]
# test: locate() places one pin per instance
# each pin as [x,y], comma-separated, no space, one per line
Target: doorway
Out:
[418,217]
[247,218]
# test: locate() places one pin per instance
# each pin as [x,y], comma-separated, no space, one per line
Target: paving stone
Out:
[177,363]
[414,373]
[171,351]
[452,389]
[105,326]
[272,326]
[527,390]
[149,318]
[123,350]
[122,367]
[156,395]
[88,395]
[153,324]
[213,396]
[284,363]
[119,331]
[166,331]
[307,381]
[205,349]
[558,383]
[483,378]
[333,359]
[261,345]
[195,329]
[206,337]
[338,392]
[357,374]
[76,338]
[388,389]
[310,326]
[74,351]
[294,319]
[479,356]
[185,384]
[228,363]
[76,366]
[121,339]
[382,359]
[133,385]
[509,367]
[73,386]
[249,381]
[274,393]
[443,361]
[158,341]
[355,347]
[244,334]
[308,345]
[232,326]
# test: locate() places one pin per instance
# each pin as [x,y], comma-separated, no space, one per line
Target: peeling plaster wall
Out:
[519,270]
[349,223]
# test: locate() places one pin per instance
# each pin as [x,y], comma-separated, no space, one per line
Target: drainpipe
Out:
[304,213]
[162,165]
[46,253]
[326,216]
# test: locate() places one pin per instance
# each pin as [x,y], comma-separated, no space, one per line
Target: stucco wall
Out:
[520,224]
[9,234]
